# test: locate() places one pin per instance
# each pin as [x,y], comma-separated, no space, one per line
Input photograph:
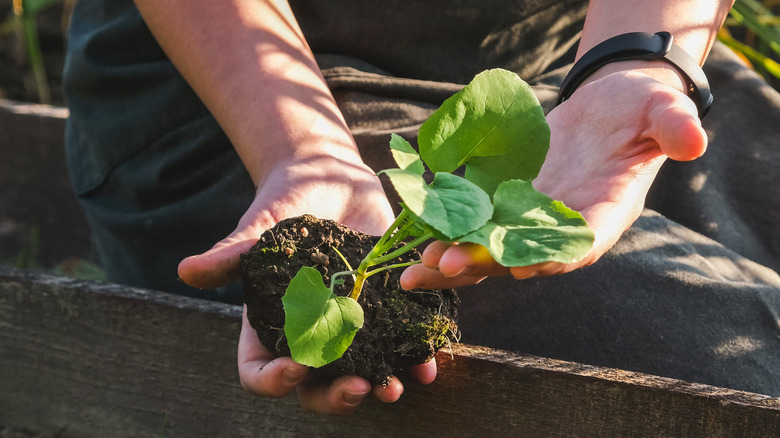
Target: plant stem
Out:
[391,230]
[339,274]
[35,57]
[378,255]
[343,259]
[402,250]
[388,267]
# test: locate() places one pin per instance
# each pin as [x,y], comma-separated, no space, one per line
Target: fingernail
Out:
[293,376]
[524,276]
[462,271]
[354,398]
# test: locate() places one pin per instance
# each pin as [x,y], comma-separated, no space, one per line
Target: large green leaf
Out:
[319,325]
[451,206]
[529,227]
[494,126]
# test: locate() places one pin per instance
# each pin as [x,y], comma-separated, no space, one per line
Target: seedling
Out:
[495,131]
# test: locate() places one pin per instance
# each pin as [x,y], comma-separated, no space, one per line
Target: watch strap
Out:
[641,46]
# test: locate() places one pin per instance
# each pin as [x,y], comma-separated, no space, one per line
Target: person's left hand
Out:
[607,144]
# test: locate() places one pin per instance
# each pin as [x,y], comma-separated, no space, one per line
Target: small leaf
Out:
[529,227]
[495,126]
[451,205]
[319,325]
[405,156]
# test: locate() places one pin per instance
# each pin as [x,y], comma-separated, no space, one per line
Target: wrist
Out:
[326,152]
[293,132]
[661,71]
[642,47]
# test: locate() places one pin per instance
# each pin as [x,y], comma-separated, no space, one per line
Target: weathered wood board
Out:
[80,359]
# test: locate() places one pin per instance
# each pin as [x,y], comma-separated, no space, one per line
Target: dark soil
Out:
[401,329]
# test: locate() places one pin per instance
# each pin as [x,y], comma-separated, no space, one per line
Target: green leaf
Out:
[529,227]
[405,156]
[319,325]
[495,126]
[451,206]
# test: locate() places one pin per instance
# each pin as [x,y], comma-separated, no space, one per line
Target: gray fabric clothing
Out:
[691,291]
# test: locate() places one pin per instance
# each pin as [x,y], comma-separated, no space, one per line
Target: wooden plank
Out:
[84,359]
[35,193]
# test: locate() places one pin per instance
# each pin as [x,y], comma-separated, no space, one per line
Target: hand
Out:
[607,144]
[267,376]
[341,189]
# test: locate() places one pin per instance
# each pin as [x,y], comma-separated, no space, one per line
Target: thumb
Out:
[678,131]
[221,265]
[216,267]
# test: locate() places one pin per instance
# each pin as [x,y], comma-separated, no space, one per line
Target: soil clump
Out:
[401,328]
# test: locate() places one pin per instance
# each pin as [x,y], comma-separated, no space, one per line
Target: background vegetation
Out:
[753,31]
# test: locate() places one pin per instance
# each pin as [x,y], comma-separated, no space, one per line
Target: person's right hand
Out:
[342,189]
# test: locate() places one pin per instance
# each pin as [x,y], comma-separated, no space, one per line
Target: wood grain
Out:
[80,359]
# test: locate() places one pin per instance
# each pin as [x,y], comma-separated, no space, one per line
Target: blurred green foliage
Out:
[752,30]
[22,22]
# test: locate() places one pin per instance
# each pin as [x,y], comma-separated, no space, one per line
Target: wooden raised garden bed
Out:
[86,359]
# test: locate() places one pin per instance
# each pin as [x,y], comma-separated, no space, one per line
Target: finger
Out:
[537,270]
[424,373]
[420,277]
[677,129]
[524,272]
[469,259]
[260,372]
[433,253]
[274,379]
[341,397]
[216,267]
[389,393]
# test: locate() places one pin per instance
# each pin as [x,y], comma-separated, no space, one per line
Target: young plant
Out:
[494,129]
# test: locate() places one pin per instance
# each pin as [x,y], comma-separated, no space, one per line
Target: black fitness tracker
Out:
[642,46]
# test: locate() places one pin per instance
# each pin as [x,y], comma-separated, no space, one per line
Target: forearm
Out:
[693,23]
[252,67]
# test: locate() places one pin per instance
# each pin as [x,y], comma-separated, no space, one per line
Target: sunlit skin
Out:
[271,100]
